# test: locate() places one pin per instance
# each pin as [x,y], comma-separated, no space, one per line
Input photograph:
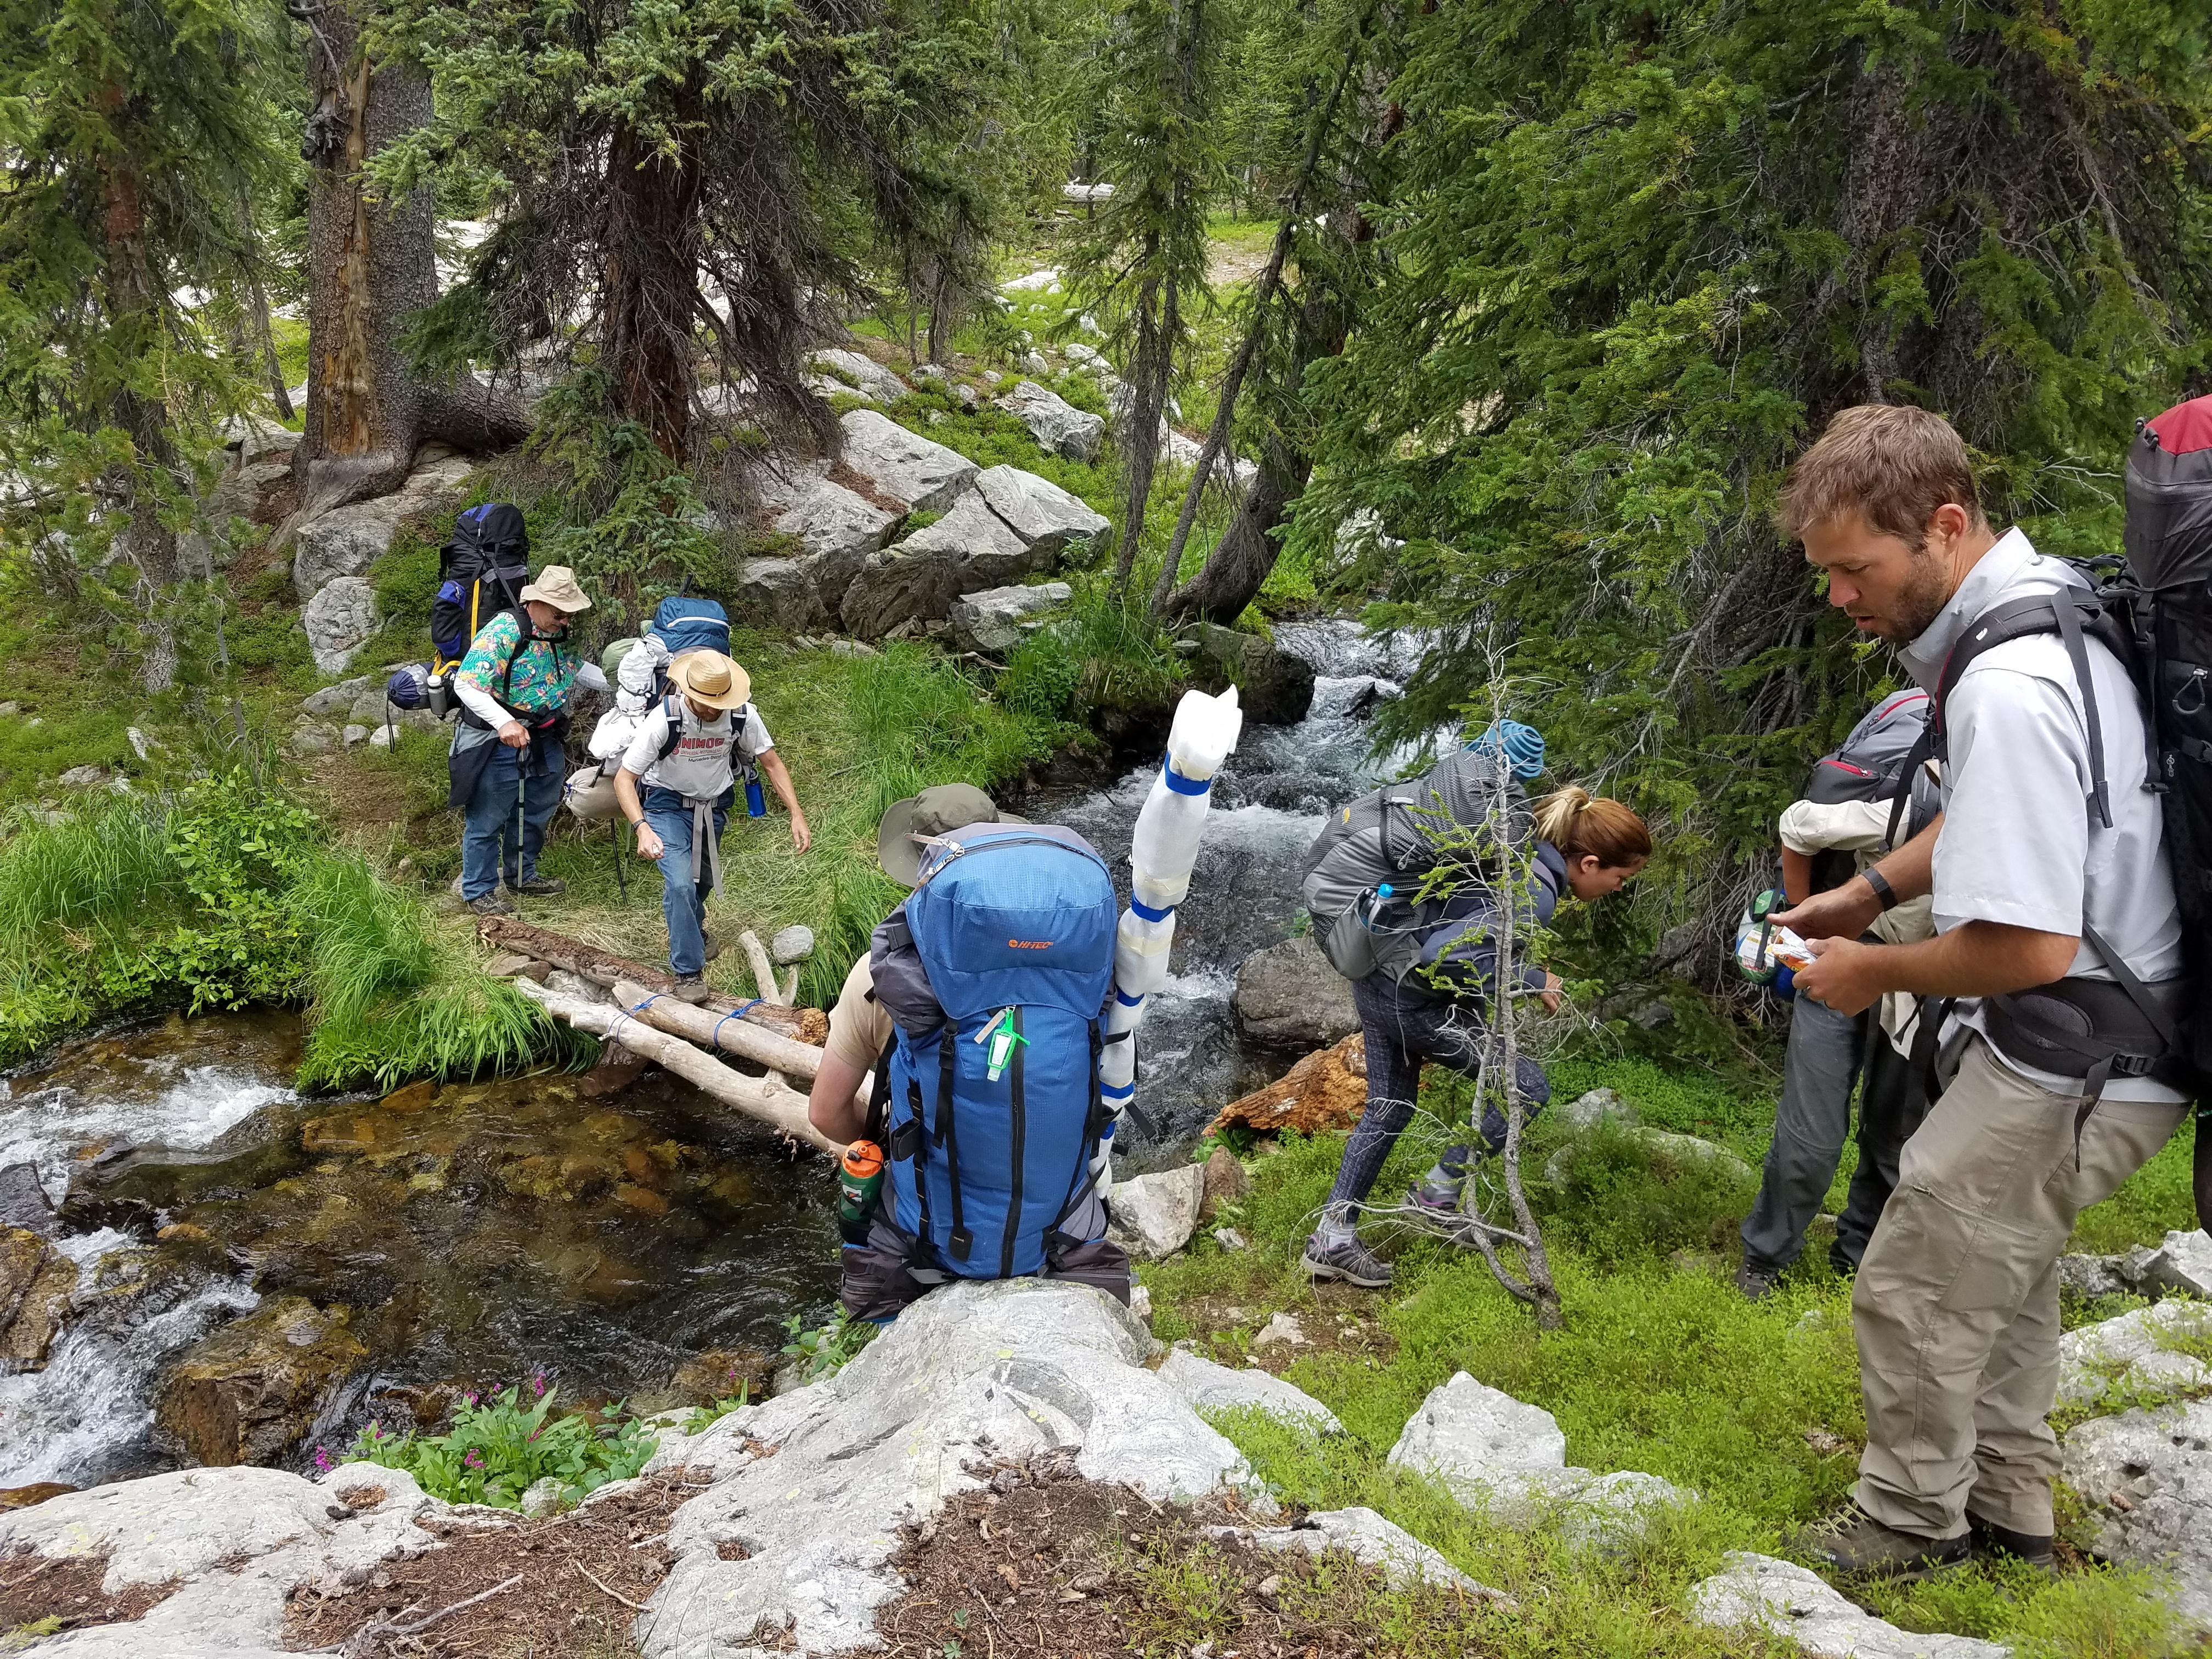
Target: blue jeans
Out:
[683,901]
[488,845]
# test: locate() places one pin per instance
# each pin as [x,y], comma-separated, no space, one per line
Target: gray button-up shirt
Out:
[2020,842]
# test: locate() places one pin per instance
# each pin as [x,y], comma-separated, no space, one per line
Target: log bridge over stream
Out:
[646,1018]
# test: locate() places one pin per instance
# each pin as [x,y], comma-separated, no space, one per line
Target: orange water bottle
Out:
[860,1187]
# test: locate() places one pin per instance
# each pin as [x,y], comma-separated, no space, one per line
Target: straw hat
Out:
[710,679]
[935,811]
[556,586]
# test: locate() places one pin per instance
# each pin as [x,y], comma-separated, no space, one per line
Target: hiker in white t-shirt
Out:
[676,785]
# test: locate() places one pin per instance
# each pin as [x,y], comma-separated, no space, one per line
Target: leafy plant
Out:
[499,1448]
[702,1416]
[823,1350]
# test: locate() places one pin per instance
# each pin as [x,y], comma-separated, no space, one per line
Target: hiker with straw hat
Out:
[676,785]
[505,768]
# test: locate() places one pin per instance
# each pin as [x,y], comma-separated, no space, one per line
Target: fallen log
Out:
[783,1109]
[1327,1089]
[764,970]
[604,968]
[712,1031]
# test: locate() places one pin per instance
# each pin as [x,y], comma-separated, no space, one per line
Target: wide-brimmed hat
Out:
[710,678]
[556,586]
[935,811]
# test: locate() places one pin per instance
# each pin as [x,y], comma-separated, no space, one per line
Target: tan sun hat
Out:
[556,586]
[710,678]
[935,811]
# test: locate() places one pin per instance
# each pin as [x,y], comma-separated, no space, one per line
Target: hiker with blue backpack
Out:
[676,782]
[513,685]
[979,1007]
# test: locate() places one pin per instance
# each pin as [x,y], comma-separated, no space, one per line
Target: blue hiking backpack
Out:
[683,623]
[994,972]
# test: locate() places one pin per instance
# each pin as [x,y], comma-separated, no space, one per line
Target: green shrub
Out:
[1041,677]
[499,1448]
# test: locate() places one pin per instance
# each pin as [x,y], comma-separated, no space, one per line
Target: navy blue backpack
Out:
[684,624]
[995,972]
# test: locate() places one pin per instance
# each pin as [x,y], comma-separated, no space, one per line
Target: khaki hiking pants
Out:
[1956,1306]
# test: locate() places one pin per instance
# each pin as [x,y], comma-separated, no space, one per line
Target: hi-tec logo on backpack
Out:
[1029,944]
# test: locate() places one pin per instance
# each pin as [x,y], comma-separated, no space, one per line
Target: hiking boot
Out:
[1854,1542]
[714,946]
[691,987]
[492,904]
[1430,1198]
[1991,1542]
[539,886]
[1756,1282]
[1350,1261]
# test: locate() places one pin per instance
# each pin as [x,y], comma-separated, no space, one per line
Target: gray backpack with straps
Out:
[1393,838]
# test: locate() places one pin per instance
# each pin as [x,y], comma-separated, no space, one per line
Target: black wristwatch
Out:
[1882,890]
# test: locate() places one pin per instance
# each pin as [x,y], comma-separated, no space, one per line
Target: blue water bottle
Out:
[756,802]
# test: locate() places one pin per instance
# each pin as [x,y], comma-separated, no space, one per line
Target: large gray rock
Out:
[342,543]
[1289,996]
[2147,1477]
[782,590]
[1039,511]
[1510,1459]
[261,491]
[2182,1262]
[858,374]
[337,699]
[240,1540]
[833,523]
[970,1373]
[1153,1216]
[1206,1387]
[994,620]
[917,580]
[904,466]
[1666,1147]
[339,620]
[1595,1106]
[1370,1538]
[2136,1352]
[1758,1592]
[1273,687]
[790,944]
[1057,425]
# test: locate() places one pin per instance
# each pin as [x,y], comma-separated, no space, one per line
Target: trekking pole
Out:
[521,802]
[622,880]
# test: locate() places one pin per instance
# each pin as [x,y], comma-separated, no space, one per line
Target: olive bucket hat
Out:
[935,812]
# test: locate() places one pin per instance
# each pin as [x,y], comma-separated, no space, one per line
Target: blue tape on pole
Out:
[1145,913]
[1125,998]
[1117,1094]
[1181,785]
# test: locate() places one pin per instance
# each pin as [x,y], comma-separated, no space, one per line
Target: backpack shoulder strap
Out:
[674,716]
[2068,614]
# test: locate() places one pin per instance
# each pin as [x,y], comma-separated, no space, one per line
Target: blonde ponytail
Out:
[1583,825]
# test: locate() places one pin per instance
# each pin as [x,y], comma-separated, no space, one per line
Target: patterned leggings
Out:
[1402,1030]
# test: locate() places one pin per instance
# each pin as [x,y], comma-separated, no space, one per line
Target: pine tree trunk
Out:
[371,266]
[651,295]
[134,311]
[1140,437]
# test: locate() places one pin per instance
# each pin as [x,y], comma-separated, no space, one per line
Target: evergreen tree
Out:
[1640,255]
[1142,261]
[712,178]
[135,136]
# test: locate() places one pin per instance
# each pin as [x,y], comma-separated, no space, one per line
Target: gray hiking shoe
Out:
[691,987]
[1350,1261]
[540,887]
[1756,1282]
[1432,1200]
[714,946]
[1854,1542]
[492,904]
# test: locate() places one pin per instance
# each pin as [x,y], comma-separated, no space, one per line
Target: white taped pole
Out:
[1162,855]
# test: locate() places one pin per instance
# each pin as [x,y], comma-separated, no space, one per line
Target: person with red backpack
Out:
[505,768]
[2058,949]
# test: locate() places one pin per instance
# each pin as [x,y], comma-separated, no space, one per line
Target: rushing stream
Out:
[473,1234]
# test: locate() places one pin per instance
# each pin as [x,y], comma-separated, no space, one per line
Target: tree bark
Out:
[134,311]
[371,265]
[652,286]
[1140,437]
[710,1030]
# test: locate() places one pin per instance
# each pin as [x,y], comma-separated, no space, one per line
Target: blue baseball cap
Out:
[1521,747]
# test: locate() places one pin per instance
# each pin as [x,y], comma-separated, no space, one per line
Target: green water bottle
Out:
[859,1188]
